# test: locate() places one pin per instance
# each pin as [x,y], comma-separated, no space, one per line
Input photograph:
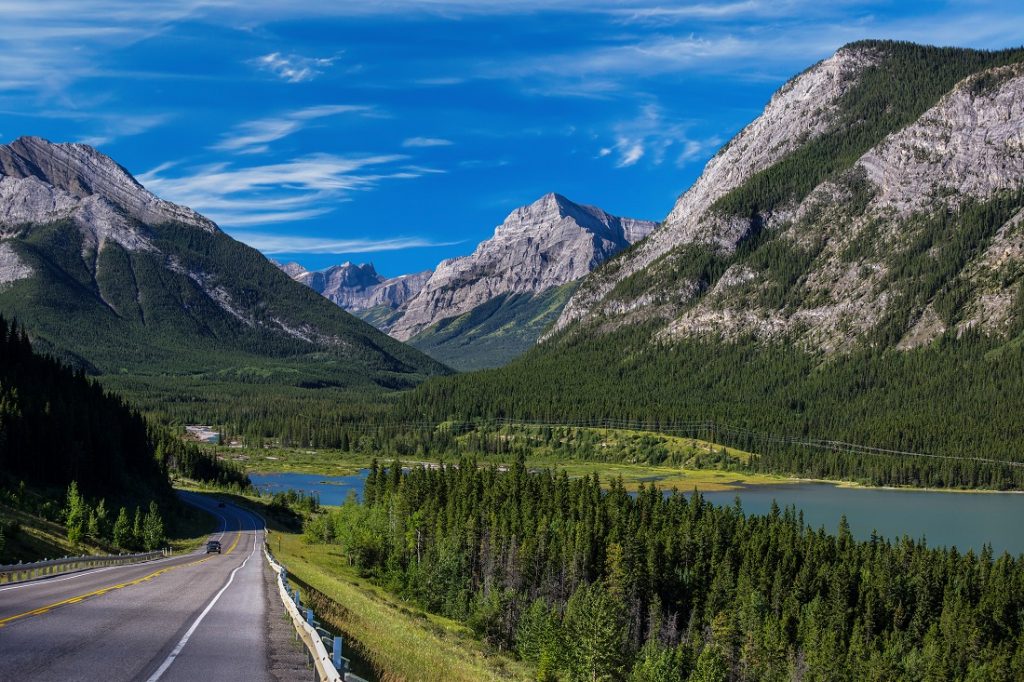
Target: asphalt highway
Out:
[190,617]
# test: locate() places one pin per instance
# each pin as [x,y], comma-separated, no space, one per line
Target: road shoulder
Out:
[286,657]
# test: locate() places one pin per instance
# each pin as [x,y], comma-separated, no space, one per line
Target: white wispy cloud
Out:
[297,189]
[709,11]
[278,243]
[255,136]
[110,127]
[654,135]
[293,68]
[426,142]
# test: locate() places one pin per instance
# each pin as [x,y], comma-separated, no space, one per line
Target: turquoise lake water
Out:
[964,520]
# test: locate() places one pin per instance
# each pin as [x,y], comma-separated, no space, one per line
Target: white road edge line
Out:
[184,640]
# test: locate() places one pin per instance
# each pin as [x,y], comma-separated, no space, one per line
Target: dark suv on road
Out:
[213,546]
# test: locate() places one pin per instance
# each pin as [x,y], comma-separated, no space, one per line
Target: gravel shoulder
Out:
[286,656]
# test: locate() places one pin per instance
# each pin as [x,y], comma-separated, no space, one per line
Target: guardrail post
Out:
[338,665]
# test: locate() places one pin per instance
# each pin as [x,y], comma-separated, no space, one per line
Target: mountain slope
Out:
[496,331]
[107,275]
[801,225]
[849,267]
[551,242]
[487,308]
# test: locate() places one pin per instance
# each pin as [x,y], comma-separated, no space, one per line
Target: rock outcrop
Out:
[801,110]
[62,176]
[546,244]
[918,234]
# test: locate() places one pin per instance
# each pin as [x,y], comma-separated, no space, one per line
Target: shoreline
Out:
[736,485]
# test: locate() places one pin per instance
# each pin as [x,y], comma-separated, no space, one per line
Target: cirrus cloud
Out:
[277,244]
[297,189]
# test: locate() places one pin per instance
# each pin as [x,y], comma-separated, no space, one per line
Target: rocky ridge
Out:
[85,247]
[840,264]
[546,244]
[358,287]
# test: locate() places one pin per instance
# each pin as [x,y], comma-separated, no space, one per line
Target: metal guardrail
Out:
[331,667]
[22,572]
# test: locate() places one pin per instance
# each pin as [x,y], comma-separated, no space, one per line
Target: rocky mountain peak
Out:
[357,287]
[350,275]
[548,243]
[70,171]
[292,269]
[881,163]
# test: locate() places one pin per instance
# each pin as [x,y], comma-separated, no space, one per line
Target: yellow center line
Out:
[103,590]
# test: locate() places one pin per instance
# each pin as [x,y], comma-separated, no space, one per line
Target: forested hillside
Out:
[58,426]
[77,458]
[601,585]
[850,267]
[114,280]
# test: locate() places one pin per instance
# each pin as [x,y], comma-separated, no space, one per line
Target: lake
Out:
[330,489]
[964,520]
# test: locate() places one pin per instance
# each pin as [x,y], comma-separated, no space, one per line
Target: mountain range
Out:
[850,266]
[486,308]
[109,277]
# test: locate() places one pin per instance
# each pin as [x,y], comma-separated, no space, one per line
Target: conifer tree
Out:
[122,529]
[76,514]
[152,528]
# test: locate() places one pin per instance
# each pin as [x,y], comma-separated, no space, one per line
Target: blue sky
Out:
[402,131]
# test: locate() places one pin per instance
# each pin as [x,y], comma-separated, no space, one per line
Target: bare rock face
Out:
[293,270]
[551,242]
[77,171]
[801,110]
[42,182]
[848,258]
[970,144]
[358,287]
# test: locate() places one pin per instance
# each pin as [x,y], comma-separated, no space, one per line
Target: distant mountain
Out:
[358,287]
[850,266]
[484,309]
[546,244]
[107,275]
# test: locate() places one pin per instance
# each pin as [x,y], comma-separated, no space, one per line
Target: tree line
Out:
[590,584]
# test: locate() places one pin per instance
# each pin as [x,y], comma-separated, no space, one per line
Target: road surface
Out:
[190,617]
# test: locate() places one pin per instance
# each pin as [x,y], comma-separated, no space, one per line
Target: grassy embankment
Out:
[401,641]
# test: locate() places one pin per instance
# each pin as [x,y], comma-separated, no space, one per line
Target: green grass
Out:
[401,641]
[37,538]
[637,456]
[297,460]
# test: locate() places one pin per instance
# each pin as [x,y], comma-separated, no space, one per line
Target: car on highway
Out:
[213,546]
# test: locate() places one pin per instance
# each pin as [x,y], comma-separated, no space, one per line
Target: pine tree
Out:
[75,514]
[152,528]
[595,632]
[137,532]
[102,522]
[122,529]
[711,666]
